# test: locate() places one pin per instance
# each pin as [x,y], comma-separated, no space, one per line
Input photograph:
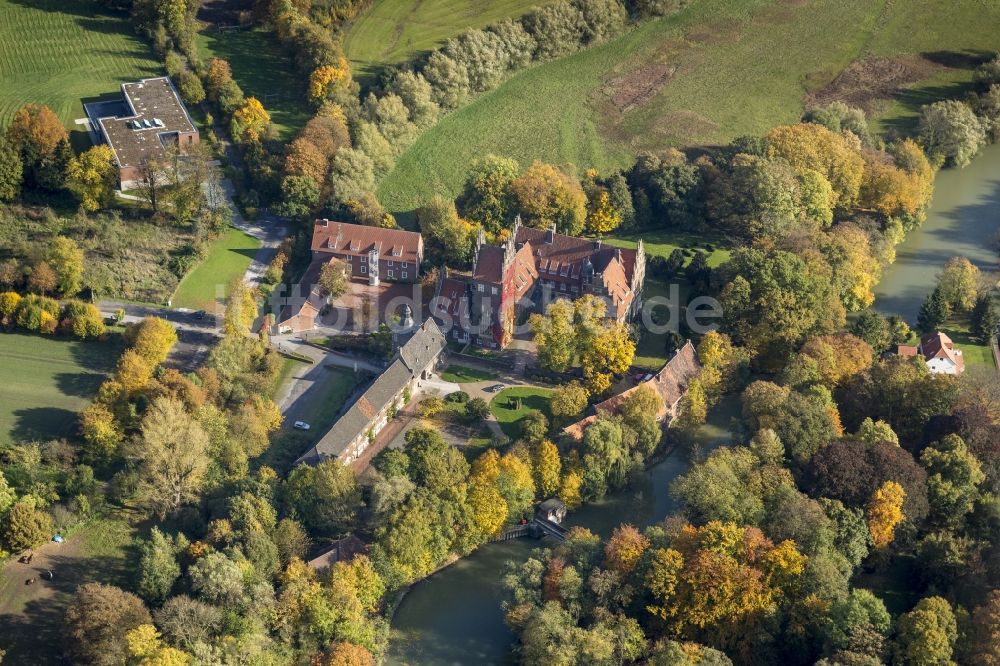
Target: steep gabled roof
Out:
[358,239]
[425,344]
[939,345]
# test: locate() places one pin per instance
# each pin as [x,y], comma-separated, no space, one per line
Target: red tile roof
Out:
[357,239]
[939,345]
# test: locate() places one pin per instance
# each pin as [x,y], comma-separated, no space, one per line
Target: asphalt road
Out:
[194,336]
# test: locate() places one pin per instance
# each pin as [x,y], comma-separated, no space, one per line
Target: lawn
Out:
[976,354]
[391,31]
[718,69]
[461,374]
[60,53]
[529,399]
[265,71]
[662,242]
[228,258]
[46,381]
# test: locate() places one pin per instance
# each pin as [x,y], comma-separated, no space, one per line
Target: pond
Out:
[454,617]
[962,221]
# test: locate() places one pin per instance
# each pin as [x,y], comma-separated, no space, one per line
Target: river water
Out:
[454,617]
[962,221]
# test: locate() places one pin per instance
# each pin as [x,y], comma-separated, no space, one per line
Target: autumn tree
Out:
[25,526]
[808,146]
[926,635]
[610,353]
[333,279]
[554,335]
[602,217]
[486,197]
[152,339]
[547,467]
[346,654]
[568,400]
[36,133]
[325,78]
[985,634]
[93,176]
[885,511]
[67,259]
[958,283]
[101,432]
[42,279]
[97,621]
[172,456]
[624,549]
[250,121]
[543,195]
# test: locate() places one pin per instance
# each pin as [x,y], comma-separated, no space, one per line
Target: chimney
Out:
[550,234]
[325,222]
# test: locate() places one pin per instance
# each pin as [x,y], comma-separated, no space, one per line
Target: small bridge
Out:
[537,528]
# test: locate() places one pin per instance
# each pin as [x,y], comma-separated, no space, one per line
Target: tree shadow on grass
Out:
[78,384]
[915,98]
[964,59]
[244,251]
[98,355]
[42,423]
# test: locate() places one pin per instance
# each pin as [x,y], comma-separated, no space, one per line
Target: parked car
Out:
[200,314]
[496,388]
[300,425]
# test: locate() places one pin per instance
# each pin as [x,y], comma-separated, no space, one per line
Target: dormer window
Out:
[397,251]
[355,246]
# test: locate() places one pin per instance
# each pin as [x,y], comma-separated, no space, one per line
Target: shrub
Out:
[458,396]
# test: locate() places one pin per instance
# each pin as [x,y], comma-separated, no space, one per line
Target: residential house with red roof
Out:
[940,353]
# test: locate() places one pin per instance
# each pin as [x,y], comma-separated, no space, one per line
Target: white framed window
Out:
[404,275]
[364,259]
[494,291]
[390,262]
[364,269]
[391,275]
[481,288]
[405,265]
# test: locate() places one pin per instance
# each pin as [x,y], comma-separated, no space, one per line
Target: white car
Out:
[300,425]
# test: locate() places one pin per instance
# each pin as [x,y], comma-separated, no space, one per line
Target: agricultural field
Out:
[61,53]
[46,381]
[228,257]
[392,31]
[265,71]
[718,69]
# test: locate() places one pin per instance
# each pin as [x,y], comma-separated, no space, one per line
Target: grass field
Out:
[717,70]
[391,31]
[58,53]
[662,242]
[45,381]
[461,374]
[265,71]
[531,400]
[228,258]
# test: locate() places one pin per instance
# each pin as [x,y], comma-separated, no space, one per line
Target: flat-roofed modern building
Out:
[138,128]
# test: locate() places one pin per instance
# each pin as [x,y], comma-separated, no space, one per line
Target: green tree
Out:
[11,172]
[953,478]
[158,566]
[934,311]
[543,195]
[984,318]
[477,409]
[333,278]
[326,497]
[926,635]
[951,133]
[218,580]
[873,328]
[449,238]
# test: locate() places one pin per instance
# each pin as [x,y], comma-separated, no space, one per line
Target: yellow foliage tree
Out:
[611,353]
[811,146]
[547,467]
[885,511]
[570,490]
[100,430]
[250,121]
[152,338]
[326,77]
[488,507]
[134,372]
[602,217]
[9,300]
[92,176]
